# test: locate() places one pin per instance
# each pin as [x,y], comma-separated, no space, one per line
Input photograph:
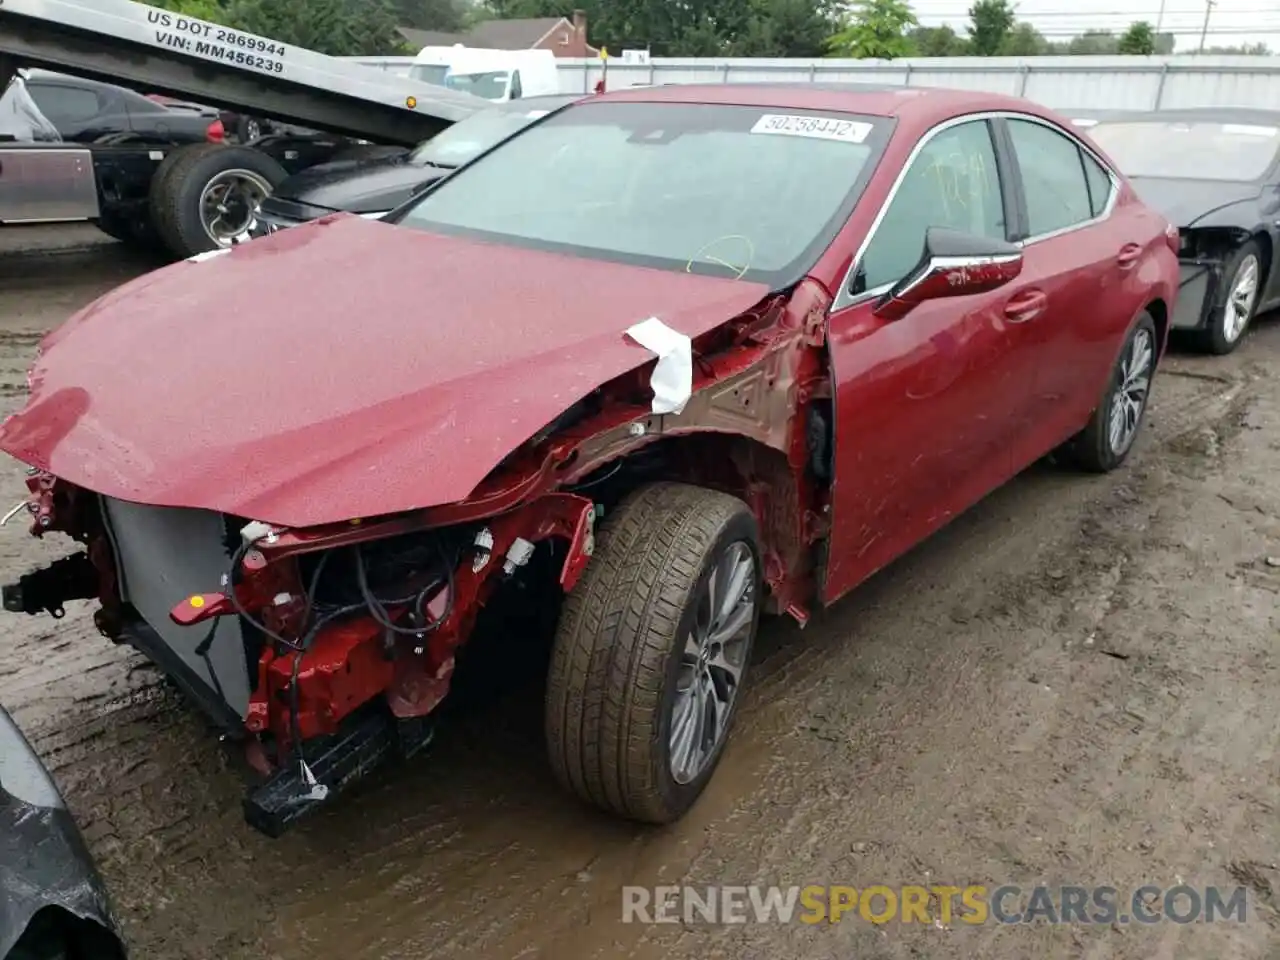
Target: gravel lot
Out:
[1074,683]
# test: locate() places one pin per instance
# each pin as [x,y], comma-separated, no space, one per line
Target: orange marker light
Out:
[410,102]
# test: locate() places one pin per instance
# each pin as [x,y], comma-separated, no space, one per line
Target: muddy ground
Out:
[1074,683]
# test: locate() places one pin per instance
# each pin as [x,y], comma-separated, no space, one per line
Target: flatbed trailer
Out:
[166,195]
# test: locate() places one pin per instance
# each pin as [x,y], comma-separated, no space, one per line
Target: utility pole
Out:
[1204,30]
[1160,18]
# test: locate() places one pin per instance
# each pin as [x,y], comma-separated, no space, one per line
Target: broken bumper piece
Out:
[330,765]
[52,901]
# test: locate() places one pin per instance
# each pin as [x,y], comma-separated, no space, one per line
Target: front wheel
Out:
[652,649]
[1105,443]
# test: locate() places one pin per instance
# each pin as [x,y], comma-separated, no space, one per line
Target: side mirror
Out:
[953,264]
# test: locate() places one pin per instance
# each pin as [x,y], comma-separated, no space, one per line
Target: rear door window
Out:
[1053,177]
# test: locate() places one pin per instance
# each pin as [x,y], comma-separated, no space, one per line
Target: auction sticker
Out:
[816,128]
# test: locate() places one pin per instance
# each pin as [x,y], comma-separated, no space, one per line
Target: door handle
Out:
[1128,255]
[1026,306]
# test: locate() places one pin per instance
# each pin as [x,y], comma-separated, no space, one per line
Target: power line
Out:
[1036,15]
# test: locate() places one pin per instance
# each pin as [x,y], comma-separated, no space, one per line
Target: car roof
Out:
[1255,115]
[907,102]
[37,74]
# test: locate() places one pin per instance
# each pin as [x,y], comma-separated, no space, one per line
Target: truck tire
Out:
[137,234]
[188,185]
[638,652]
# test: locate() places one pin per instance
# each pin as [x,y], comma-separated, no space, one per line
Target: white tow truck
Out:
[189,199]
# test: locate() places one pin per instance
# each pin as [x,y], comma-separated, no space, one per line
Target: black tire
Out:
[615,663]
[1216,338]
[1093,449]
[137,234]
[249,129]
[114,227]
[180,180]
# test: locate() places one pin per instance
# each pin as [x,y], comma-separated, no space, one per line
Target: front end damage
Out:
[1203,255]
[328,649]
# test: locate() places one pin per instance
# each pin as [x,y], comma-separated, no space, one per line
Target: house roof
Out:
[494,34]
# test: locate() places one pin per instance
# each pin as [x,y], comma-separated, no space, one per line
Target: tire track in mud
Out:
[952,717]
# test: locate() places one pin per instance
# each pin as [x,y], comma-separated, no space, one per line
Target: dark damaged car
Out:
[666,360]
[52,903]
[1215,173]
[374,186]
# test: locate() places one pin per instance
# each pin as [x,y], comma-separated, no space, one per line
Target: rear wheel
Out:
[1105,443]
[248,129]
[652,649]
[1227,326]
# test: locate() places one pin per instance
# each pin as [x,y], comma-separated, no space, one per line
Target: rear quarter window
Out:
[1099,181]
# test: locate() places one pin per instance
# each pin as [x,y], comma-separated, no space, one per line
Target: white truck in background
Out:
[495,75]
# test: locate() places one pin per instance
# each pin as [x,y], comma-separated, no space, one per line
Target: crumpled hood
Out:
[344,368]
[1183,202]
[370,186]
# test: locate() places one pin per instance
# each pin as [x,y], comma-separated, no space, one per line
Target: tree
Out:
[1247,50]
[990,22]
[1139,39]
[340,28]
[444,15]
[876,31]
[786,28]
[937,42]
[1094,43]
[210,10]
[1023,40]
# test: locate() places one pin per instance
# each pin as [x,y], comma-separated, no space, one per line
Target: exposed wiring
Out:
[378,608]
[233,579]
[314,622]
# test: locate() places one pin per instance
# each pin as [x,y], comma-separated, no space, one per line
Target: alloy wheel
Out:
[229,204]
[1132,388]
[1240,300]
[712,662]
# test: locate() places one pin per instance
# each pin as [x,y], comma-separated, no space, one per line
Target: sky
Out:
[1231,22]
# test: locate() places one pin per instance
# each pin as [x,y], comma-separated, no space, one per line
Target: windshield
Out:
[707,189]
[21,119]
[429,73]
[1189,150]
[471,137]
[491,85]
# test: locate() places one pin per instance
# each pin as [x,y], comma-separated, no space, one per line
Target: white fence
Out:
[1064,83]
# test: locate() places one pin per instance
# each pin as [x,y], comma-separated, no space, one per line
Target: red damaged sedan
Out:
[666,360]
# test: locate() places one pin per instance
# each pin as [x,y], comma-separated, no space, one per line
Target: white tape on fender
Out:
[672,379]
[208,255]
